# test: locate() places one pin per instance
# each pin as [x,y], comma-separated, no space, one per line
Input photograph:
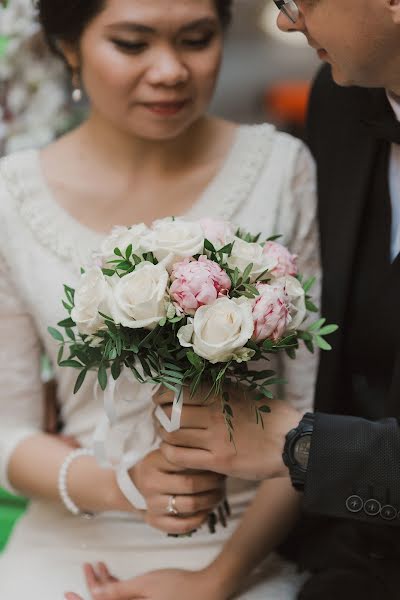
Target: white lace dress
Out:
[266,184]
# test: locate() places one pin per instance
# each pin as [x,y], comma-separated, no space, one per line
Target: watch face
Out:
[301,451]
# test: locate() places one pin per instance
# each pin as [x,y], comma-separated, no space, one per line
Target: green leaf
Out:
[228,410]
[268,344]
[118,252]
[108,272]
[247,272]
[309,284]
[128,252]
[60,354]
[55,334]
[322,343]
[102,376]
[227,249]
[209,246]
[116,370]
[71,363]
[273,238]
[67,307]
[80,380]
[317,325]
[291,352]
[310,306]
[309,345]
[70,334]
[328,329]
[264,409]
[194,359]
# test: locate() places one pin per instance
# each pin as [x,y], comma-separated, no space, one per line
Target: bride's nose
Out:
[168,69]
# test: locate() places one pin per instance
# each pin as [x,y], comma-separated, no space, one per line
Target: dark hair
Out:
[66,20]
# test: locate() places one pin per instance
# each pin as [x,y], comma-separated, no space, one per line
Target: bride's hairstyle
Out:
[67,19]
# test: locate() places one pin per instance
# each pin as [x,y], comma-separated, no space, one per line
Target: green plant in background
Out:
[11,509]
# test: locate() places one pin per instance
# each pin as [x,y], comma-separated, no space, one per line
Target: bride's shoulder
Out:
[268,136]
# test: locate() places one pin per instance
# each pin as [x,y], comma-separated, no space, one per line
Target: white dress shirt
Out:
[394,184]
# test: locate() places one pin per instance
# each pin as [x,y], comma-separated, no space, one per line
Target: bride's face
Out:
[150,66]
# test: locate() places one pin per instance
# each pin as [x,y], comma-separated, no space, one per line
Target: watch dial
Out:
[301,451]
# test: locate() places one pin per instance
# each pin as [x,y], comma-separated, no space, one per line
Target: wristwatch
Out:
[297,450]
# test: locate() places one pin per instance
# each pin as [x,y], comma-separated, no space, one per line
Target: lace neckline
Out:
[70,239]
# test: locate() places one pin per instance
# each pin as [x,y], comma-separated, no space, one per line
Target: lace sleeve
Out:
[304,241]
[21,395]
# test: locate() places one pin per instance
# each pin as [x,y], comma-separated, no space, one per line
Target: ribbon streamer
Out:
[173,424]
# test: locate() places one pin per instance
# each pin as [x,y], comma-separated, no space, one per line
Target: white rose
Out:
[172,240]
[140,298]
[297,300]
[245,253]
[122,237]
[219,331]
[91,296]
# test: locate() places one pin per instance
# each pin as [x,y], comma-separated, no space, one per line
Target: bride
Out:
[146,151]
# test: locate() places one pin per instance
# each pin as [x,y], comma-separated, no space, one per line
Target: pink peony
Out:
[218,232]
[285,262]
[197,283]
[270,312]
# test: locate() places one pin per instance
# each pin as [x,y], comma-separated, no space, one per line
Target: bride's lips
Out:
[166,109]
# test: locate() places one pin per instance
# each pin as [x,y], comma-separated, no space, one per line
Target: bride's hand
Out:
[167,584]
[196,493]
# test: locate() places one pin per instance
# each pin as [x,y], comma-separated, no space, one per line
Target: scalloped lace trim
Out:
[71,240]
[50,223]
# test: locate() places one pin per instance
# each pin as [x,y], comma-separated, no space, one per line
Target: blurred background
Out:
[266,76]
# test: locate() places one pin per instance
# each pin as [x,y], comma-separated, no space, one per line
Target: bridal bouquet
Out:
[184,303]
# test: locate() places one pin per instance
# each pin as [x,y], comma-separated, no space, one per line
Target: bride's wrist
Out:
[95,489]
[223,577]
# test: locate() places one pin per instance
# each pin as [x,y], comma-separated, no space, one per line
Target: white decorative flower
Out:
[140,298]
[245,253]
[174,239]
[32,79]
[219,331]
[122,237]
[218,232]
[91,297]
[297,300]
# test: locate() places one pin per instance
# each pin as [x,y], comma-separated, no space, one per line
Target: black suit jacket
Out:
[350,456]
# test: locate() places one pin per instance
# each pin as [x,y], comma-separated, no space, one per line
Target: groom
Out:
[344,459]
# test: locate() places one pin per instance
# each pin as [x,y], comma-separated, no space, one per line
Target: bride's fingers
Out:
[92,578]
[104,573]
[72,596]
[189,504]
[176,525]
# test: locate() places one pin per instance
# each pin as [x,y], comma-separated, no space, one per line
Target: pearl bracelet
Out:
[62,482]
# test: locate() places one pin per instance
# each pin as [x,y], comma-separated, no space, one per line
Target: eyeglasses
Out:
[289,8]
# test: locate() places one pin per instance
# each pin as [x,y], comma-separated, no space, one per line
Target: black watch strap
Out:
[296,450]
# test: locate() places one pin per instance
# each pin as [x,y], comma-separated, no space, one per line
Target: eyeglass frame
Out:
[281,5]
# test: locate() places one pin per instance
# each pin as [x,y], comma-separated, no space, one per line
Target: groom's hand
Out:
[203,441]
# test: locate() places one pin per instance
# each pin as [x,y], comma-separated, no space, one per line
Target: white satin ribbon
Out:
[101,435]
[173,424]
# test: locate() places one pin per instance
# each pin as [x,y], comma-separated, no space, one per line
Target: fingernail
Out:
[227,508]
[221,515]
[212,521]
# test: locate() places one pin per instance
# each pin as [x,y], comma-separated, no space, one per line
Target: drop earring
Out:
[76,85]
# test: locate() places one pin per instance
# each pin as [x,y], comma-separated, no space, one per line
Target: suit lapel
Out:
[343,191]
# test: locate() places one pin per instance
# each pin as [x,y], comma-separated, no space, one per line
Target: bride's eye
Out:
[129,47]
[197,43]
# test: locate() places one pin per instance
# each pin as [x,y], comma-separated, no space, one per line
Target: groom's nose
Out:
[285,24]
